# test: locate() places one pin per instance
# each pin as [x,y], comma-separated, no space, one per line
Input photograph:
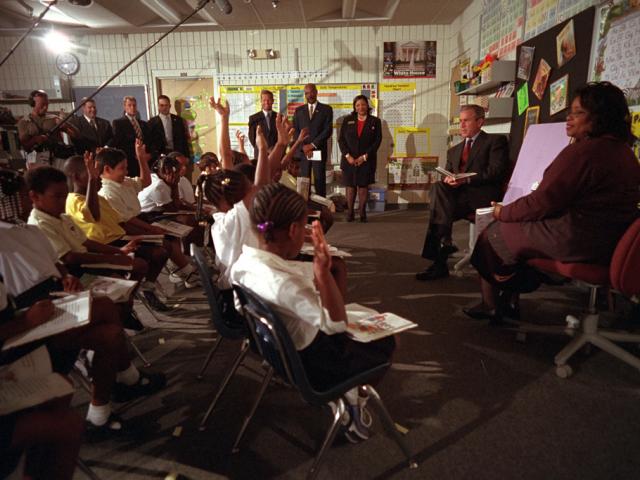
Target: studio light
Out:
[57,42]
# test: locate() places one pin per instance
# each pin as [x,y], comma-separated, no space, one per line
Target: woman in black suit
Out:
[359,140]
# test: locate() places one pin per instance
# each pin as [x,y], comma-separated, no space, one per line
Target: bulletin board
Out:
[616,56]
[544,14]
[577,69]
[244,101]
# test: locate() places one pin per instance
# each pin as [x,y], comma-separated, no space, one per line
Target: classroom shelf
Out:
[500,71]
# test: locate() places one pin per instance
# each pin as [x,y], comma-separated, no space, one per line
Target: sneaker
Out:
[154,302]
[192,280]
[113,425]
[156,288]
[358,428]
[148,384]
[188,275]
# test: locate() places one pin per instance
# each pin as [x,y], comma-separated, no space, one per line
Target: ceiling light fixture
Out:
[224,6]
[275,3]
[57,42]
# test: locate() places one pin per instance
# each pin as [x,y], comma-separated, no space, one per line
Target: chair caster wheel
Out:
[521,337]
[564,371]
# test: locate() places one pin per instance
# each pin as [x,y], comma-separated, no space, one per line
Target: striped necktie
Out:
[136,127]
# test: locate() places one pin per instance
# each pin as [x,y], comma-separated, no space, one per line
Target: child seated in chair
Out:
[122,194]
[100,222]
[28,266]
[306,297]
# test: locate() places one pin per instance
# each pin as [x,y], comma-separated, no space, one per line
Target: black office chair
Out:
[274,343]
[231,328]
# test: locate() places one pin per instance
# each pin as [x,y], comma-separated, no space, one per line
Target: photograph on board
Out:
[525,61]
[531,118]
[566,44]
[542,77]
[558,95]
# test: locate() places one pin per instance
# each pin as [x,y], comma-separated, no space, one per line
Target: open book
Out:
[366,325]
[30,381]
[117,289]
[70,312]
[307,249]
[455,176]
[153,239]
[174,229]
[106,266]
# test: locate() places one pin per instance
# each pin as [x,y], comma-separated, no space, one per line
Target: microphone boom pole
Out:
[115,75]
[21,39]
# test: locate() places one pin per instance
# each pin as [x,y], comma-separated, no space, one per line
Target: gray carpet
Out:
[477,404]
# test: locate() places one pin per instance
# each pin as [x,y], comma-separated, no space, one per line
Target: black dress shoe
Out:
[480,312]
[448,249]
[434,272]
[350,217]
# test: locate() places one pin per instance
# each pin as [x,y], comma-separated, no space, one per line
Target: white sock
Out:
[99,414]
[129,376]
[352,396]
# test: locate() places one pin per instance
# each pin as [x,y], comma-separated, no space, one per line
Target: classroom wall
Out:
[332,55]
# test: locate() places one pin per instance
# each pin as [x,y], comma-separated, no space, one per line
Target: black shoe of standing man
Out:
[434,272]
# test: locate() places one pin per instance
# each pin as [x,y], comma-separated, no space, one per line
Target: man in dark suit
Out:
[94,131]
[267,119]
[169,132]
[318,118]
[485,155]
[126,130]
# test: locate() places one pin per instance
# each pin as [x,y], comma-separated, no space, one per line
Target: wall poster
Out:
[410,59]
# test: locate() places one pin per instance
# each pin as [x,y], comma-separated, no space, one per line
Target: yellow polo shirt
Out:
[106,230]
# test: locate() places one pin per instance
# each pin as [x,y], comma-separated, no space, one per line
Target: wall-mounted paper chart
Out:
[398,103]
[411,142]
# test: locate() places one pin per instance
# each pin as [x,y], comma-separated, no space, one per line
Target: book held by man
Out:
[366,325]
[455,176]
[71,311]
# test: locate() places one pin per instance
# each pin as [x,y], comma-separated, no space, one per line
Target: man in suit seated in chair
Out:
[484,154]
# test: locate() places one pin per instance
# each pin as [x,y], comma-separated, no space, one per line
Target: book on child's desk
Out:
[455,176]
[30,381]
[153,239]
[174,229]
[366,325]
[117,289]
[70,312]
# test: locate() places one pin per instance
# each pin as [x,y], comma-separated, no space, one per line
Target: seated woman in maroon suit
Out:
[586,200]
[359,140]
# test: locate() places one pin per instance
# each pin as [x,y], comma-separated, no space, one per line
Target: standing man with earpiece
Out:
[318,118]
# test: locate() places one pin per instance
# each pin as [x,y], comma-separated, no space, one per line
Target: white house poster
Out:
[410,59]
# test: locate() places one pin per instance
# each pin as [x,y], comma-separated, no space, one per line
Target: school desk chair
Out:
[274,344]
[622,275]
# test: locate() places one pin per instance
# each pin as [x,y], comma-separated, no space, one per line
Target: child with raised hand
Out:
[101,223]
[122,194]
[307,298]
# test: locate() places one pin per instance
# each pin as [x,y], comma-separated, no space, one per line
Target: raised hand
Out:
[303,135]
[93,167]
[223,110]
[240,136]
[261,141]
[321,255]
[141,151]
[282,127]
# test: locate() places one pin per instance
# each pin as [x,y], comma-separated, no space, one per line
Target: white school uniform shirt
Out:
[63,234]
[186,191]
[229,232]
[288,287]
[26,257]
[123,197]
[153,197]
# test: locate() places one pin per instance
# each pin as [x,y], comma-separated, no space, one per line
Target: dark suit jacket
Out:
[91,138]
[124,138]
[271,135]
[179,132]
[489,158]
[586,200]
[320,126]
[368,142]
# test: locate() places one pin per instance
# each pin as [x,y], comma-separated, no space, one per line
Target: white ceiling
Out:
[130,16]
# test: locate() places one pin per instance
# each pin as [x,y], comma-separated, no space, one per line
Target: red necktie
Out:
[465,155]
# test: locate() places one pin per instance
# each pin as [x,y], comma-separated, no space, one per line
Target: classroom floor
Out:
[477,404]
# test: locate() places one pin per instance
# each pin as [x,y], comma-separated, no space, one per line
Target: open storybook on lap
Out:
[174,229]
[30,381]
[118,290]
[366,325]
[455,176]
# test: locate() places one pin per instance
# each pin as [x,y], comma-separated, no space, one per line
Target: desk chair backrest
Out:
[624,271]
[273,342]
[226,327]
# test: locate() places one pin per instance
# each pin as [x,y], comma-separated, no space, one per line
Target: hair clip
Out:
[265,226]
[225,181]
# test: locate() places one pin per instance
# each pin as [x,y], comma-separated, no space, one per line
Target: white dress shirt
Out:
[26,257]
[168,129]
[288,287]
[229,232]
[123,197]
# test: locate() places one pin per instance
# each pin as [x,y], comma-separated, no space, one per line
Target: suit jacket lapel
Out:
[475,148]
